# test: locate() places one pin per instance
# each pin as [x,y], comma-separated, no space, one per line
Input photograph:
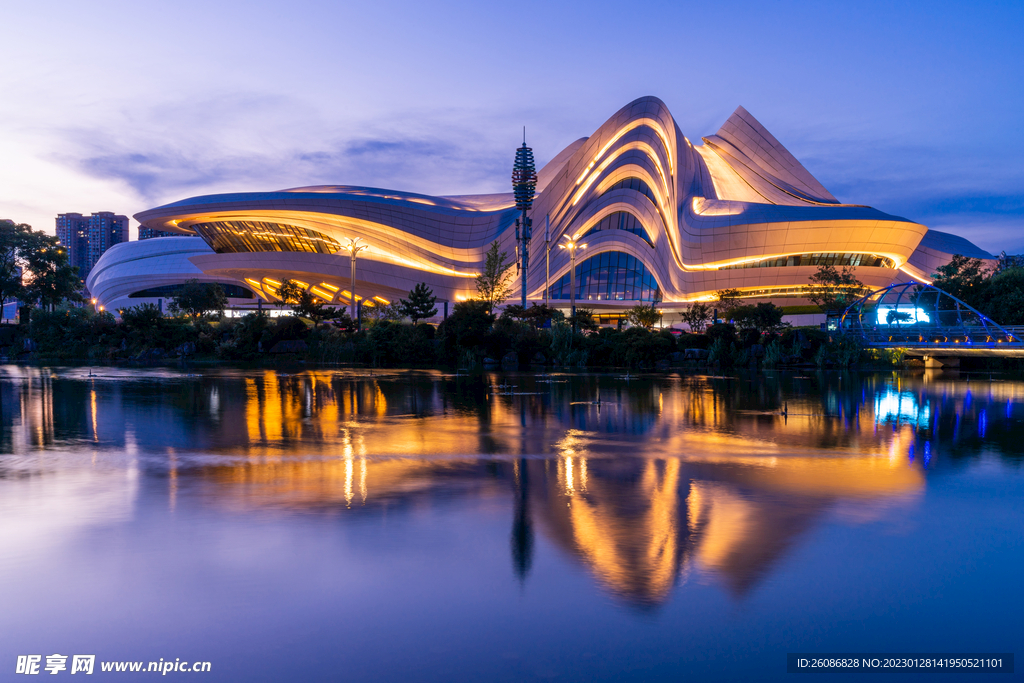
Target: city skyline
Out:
[910,109]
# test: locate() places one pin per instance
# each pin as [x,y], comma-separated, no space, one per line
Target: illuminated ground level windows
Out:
[611,276]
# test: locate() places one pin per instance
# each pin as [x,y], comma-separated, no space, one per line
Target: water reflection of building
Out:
[721,484]
[641,524]
[638,524]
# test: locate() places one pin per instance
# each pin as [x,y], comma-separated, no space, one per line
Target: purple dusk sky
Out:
[911,107]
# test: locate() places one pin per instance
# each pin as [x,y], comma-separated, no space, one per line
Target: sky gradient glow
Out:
[912,107]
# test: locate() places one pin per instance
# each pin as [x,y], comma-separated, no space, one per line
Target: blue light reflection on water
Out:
[408,527]
[901,407]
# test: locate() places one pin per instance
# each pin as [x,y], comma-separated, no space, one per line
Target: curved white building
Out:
[151,272]
[663,219]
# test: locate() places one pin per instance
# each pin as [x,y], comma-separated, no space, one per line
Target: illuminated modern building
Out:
[664,220]
[152,271]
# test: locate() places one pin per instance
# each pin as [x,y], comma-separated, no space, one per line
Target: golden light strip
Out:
[608,211]
[430,267]
[918,278]
[725,264]
[748,293]
[633,125]
[375,253]
[322,293]
[642,146]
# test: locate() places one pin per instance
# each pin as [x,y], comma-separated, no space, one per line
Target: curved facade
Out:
[149,271]
[663,219]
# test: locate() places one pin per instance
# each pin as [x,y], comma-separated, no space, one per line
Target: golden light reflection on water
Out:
[663,478]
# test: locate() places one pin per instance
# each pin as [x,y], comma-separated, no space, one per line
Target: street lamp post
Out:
[353,248]
[547,260]
[572,244]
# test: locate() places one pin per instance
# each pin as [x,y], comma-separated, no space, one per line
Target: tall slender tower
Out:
[524,187]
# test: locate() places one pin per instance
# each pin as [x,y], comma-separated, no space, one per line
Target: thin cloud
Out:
[227,154]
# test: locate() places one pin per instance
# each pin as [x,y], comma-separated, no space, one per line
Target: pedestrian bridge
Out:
[929,323]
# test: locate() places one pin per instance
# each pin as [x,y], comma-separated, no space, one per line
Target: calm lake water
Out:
[422,526]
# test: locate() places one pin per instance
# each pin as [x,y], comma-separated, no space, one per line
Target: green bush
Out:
[331,345]
[392,344]
[466,329]
[693,341]
[773,354]
[568,348]
[718,352]
[723,331]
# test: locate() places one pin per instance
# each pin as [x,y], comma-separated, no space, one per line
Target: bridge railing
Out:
[934,334]
[915,314]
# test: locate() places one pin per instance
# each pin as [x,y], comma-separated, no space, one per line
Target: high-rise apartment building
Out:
[149,233]
[73,233]
[87,237]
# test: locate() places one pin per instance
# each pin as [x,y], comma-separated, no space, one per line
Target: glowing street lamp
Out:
[572,244]
[353,248]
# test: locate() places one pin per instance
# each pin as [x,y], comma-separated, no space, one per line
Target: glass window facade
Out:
[168,291]
[229,237]
[621,220]
[611,276]
[635,184]
[819,259]
[641,187]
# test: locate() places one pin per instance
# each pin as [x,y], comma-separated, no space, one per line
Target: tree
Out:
[584,319]
[344,322]
[1004,297]
[34,267]
[963,278]
[14,242]
[52,278]
[466,327]
[538,316]
[313,308]
[727,299]
[420,304]
[305,304]
[290,292]
[516,312]
[379,313]
[142,323]
[764,317]
[643,315]
[897,317]
[697,316]
[197,299]
[835,290]
[493,284]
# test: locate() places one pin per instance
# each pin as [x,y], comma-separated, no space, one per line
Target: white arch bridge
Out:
[928,323]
